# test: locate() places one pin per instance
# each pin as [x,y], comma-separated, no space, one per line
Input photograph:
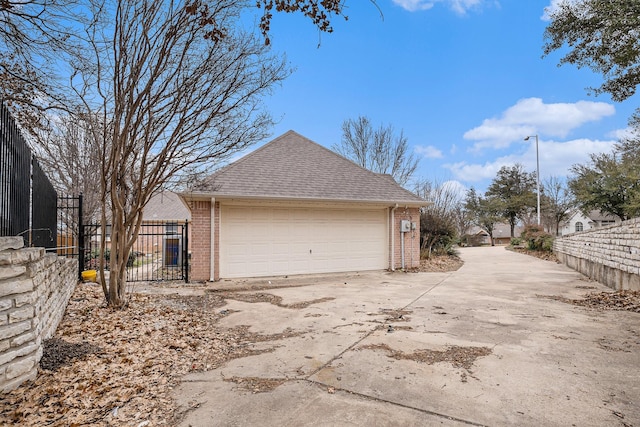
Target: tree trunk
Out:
[118,263]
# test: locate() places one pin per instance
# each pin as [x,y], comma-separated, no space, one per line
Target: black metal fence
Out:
[44,207]
[31,208]
[27,197]
[160,252]
[69,239]
[15,178]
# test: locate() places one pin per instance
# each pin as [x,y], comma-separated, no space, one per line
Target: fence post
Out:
[80,238]
[185,254]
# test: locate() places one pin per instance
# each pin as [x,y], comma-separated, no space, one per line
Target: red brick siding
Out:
[217,241]
[411,239]
[201,240]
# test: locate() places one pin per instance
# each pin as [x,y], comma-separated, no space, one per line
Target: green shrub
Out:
[537,239]
[516,241]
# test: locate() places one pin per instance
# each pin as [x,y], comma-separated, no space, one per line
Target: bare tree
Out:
[34,36]
[166,89]
[379,150]
[463,219]
[71,160]
[438,225]
[557,202]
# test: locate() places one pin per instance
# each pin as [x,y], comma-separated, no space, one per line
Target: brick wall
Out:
[201,240]
[34,291]
[411,239]
[610,255]
[216,242]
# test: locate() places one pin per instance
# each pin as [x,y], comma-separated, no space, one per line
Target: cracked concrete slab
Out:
[357,362]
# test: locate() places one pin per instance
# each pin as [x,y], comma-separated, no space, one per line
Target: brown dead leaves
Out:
[438,264]
[271,299]
[257,384]
[619,300]
[544,255]
[118,367]
[459,357]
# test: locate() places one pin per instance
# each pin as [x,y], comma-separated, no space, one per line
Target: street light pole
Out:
[537,174]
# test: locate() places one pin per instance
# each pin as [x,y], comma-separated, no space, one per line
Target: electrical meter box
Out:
[405,226]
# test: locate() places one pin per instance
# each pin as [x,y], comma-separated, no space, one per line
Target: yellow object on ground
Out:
[89,275]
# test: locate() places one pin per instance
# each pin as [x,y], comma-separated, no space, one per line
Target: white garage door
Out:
[270,241]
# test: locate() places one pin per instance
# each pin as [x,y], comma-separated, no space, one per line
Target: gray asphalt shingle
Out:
[294,167]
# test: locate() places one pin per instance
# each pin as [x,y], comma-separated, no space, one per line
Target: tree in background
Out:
[602,36]
[629,145]
[485,212]
[557,203]
[35,36]
[438,226]
[629,149]
[463,219]
[71,159]
[379,150]
[514,190]
[610,183]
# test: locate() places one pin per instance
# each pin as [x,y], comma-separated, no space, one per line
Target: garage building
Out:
[295,207]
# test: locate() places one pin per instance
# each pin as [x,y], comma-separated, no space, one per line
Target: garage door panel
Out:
[265,241]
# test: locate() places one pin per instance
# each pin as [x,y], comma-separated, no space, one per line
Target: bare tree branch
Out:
[379,150]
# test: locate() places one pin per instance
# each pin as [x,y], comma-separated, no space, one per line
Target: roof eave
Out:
[195,195]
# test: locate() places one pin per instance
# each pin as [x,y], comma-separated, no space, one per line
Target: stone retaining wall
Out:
[35,288]
[610,255]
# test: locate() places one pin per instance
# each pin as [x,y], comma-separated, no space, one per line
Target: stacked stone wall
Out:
[35,288]
[610,255]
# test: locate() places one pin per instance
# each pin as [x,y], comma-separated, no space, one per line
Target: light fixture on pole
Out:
[537,174]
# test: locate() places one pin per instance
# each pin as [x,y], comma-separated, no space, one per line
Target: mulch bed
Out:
[119,367]
[438,264]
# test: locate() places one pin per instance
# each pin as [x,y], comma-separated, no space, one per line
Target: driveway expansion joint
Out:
[390,402]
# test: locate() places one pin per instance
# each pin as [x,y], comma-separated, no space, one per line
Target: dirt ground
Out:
[119,367]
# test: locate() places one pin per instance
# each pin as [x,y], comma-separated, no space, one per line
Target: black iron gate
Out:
[160,252]
[69,238]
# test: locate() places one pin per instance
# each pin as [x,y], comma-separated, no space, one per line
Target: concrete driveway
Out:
[486,345]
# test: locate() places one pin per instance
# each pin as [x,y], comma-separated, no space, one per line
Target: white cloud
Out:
[626,133]
[414,5]
[556,158]
[530,116]
[475,172]
[456,187]
[553,6]
[459,6]
[429,152]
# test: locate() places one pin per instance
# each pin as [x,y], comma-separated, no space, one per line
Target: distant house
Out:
[295,207]
[160,242]
[501,235]
[161,233]
[580,222]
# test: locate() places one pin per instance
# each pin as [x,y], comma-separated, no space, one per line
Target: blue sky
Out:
[464,79]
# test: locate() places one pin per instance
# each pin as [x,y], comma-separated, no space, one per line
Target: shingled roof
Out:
[294,167]
[165,206]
